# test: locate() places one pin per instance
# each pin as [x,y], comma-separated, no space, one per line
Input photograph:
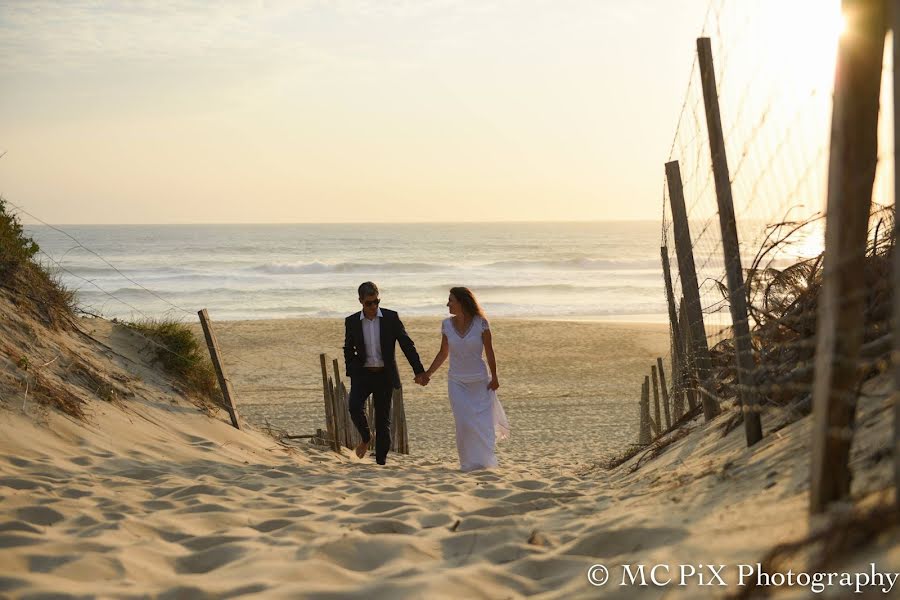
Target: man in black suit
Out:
[370,338]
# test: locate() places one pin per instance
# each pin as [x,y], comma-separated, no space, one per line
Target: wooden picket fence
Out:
[339,428]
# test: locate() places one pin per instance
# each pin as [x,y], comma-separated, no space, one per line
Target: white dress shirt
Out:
[372,336]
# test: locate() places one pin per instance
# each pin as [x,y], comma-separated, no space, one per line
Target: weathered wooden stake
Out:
[840,319]
[398,423]
[224,383]
[688,372]
[329,406]
[335,422]
[665,392]
[644,434]
[690,287]
[748,395]
[656,412]
[675,334]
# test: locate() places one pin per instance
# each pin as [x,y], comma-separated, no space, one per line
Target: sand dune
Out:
[150,497]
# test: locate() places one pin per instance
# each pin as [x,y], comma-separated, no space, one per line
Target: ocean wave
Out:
[579,264]
[315,267]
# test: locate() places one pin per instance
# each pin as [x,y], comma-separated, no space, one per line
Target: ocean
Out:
[596,270]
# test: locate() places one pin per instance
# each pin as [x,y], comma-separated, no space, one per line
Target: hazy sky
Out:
[353,110]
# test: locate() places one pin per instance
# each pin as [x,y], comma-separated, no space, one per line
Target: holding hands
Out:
[423,378]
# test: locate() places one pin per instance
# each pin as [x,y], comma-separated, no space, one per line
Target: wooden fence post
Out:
[748,395]
[330,417]
[688,372]
[675,330]
[644,434]
[895,28]
[665,394]
[653,379]
[224,383]
[399,439]
[342,405]
[690,287]
[851,173]
[664,390]
[351,427]
[335,422]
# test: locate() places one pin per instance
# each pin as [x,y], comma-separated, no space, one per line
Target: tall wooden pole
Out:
[224,383]
[737,293]
[690,287]
[840,319]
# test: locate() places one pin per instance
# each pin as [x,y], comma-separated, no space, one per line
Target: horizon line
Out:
[498,222]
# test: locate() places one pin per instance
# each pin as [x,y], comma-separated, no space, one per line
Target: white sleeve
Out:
[485,326]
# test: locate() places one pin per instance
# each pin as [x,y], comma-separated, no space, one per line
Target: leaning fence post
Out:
[224,383]
[653,379]
[840,318]
[644,434]
[737,293]
[690,287]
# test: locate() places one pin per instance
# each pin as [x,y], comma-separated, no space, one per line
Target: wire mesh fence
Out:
[774,66]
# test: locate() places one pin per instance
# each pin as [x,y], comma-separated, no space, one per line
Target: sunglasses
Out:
[375,302]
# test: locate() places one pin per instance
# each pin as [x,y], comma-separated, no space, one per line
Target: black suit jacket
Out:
[392,333]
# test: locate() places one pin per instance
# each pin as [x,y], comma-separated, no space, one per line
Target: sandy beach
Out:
[570,389]
[151,496]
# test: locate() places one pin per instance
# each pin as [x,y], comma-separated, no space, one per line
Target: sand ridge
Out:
[152,497]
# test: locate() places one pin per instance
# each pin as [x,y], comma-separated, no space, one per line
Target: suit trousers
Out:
[380,387]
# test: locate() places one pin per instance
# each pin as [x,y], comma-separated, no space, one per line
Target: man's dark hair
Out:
[367,289]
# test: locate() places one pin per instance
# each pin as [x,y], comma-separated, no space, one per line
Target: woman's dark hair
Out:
[467,300]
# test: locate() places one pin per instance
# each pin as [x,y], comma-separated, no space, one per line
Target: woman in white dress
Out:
[480,420]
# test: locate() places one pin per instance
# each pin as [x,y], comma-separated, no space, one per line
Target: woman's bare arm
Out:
[491,359]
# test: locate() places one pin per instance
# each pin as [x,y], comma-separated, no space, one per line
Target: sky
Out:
[341,111]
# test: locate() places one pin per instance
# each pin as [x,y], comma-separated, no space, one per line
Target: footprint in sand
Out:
[205,561]
[380,526]
[272,525]
[39,515]
[9,540]
[39,563]
[19,526]
[8,584]
[385,506]
[20,483]
[530,484]
[205,542]
[75,493]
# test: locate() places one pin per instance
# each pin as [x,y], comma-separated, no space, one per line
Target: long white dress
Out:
[480,419]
